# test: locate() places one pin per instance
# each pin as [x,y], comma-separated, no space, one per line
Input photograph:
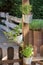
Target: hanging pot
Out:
[19,38]
[28,18]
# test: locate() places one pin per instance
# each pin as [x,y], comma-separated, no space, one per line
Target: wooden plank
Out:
[0,55]
[25,27]
[26,34]
[5,28]
[15,19]
[20,56]
[37,58]
[39,62]
[9,24]
[41,50]
[10,61]
[25,64]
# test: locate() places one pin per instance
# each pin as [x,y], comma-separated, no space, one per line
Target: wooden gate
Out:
[10,57]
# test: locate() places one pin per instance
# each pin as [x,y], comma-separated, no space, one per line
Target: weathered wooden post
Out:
[41,50]
[20,56]
[0,55]
[25,27]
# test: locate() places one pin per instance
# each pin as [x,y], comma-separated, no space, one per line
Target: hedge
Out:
[37,6]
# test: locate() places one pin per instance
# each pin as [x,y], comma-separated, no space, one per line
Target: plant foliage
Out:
[26,8]
[27,51]
[37,8]
[36,24]
[14,33]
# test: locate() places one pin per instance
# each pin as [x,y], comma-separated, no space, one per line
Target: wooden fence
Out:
[10,57]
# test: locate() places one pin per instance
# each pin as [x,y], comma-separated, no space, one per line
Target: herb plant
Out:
[14,33]
[26,8]
[27,51]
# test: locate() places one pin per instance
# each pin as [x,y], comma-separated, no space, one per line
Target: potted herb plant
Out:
[26,11]
[18,34]
[27,53]
[15,35]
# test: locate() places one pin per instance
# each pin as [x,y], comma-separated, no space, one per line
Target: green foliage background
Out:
[5,5]
[37,6]
[15,10]
[13,7]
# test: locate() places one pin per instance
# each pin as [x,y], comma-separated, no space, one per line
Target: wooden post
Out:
[25,1]
[42,36]
[33,63]
[0,55]
[20,56]
[10,53]
[41,50]
[25,27]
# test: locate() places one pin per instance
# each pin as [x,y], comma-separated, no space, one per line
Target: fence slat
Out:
[0,55]
[41,50]
[10,53]
[10,61]
[33,63]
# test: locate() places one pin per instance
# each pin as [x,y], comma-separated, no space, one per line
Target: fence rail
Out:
[10,61]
